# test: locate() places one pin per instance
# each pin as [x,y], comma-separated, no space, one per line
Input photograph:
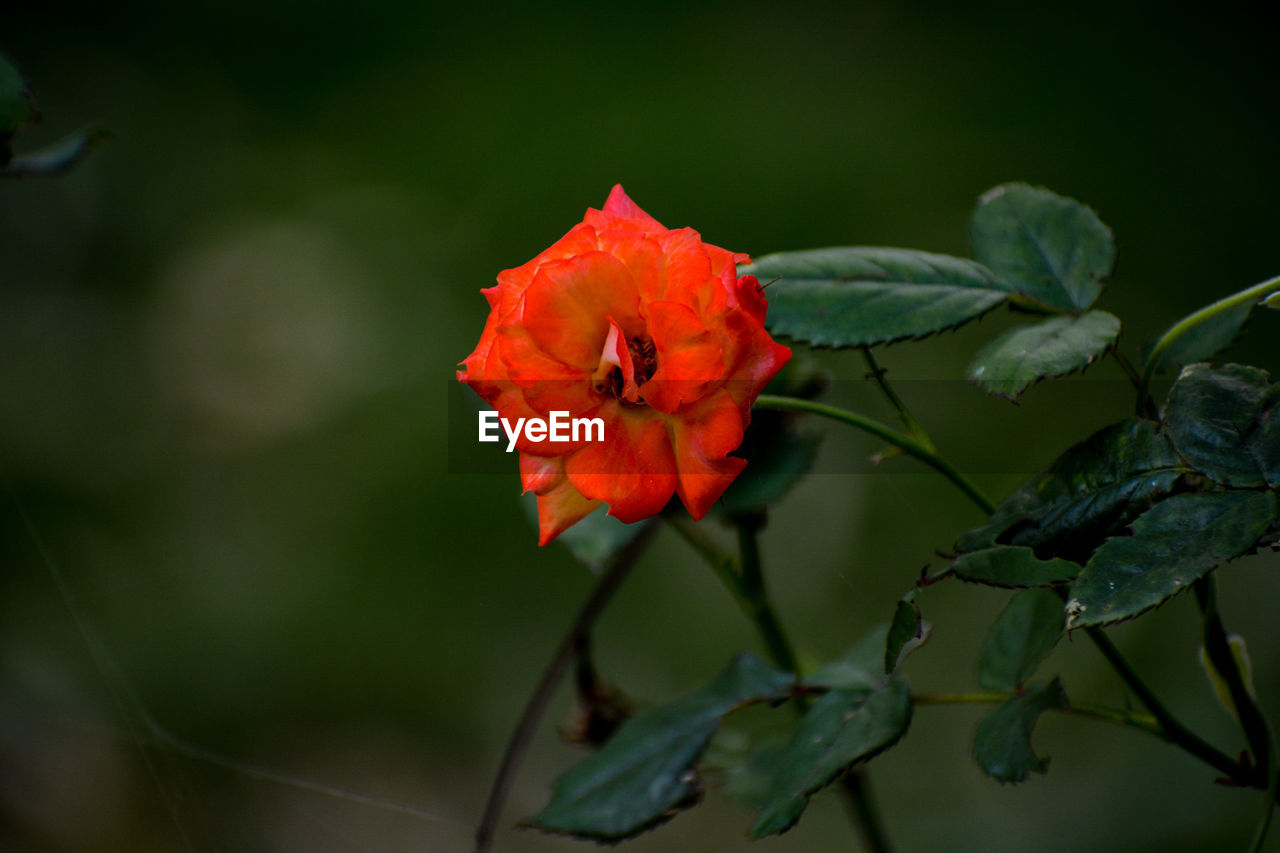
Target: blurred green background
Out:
[227,339]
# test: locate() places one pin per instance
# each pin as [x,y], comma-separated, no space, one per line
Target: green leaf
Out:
[1226,422]
[61,156]
[746,765]
[1089,493]
[1023,635]
[1002,744]
[1174,543]
[842,728]
[859,668]
[645,772]
[859,295]
[1204,341]
[1016,360]
[907,631]
[1272,301]
[1054,251]
[1012,567]
[594,539]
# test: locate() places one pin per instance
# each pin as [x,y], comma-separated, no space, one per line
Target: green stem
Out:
[1173,731]
[1256,729]
[908,420]
[744,578]
[1141,722]
[1186,324]
[857,789]
[619,568]
[753,583]
[907,444]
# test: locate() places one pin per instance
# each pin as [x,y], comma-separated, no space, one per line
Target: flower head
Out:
[645,327]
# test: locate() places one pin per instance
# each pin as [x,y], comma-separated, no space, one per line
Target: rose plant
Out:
[668,340]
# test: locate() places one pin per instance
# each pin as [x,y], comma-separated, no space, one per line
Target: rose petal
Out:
[689,356]
[540,474]
[561,508]
[621,213]
[565,308]
[633,468]
[703,436]
[616,354]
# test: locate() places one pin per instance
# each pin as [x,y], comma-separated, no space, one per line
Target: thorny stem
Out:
[908,420]
[907,444]
[536,707]
[744,578]
[1256,729]
[1189,322]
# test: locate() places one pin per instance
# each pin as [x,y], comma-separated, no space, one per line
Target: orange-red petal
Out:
[566,305]
[633,468]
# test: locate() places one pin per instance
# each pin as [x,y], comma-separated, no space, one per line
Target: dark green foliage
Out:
[1023,635]
[906,632]
[854,296]
[1002,744]
[1089,493]
[1226,422]
[1203,342]
[1054,251]
[1174,543]
[1012,567]
[1016,360]
[842,728]
[645,774]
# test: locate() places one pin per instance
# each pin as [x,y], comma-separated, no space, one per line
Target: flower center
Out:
[645,358]
[611,378]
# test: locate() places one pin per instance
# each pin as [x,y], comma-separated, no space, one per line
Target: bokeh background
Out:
[227,342]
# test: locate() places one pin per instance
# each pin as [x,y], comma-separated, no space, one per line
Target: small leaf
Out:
[1091,491]
[60,157]
[1013,568]
[592,541]
[1239,651]
[1272,301]
[1002,745]
[1203,342]
[1173,544]
[906,632]
[1016,360]
[1023,635]
[1226,422]
[842,728]
[855,296]
[645,772]
[1054,251]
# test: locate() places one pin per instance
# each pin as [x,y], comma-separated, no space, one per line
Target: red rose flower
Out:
[647,328]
